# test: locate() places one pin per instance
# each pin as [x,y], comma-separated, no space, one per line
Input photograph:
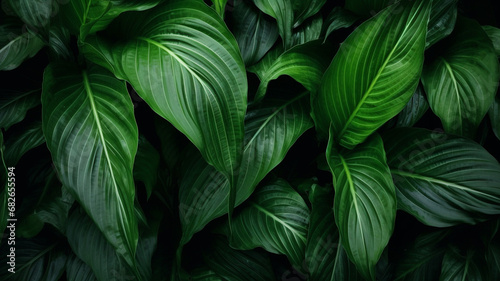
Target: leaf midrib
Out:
[455,86]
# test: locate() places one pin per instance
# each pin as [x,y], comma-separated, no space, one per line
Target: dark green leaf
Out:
[462,80]
[276,219]
[441,179]
[463,266]
[77,270]
[309,31]
[237,265]
[90,128]
[365,202]
[362,90]
[368,8]
[146,164]
[305,63]
[442,21]
[205,90]
[494,113]
[205,274]
[29,226]
[22,141]
[339,18]
[494,35]
[204,191]
[16,45]
[14,105]
[55,210]
[35,13]
[414,109]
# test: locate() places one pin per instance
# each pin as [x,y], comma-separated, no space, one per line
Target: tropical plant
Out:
[249,140]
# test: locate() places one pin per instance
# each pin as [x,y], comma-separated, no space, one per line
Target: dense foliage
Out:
[249,140]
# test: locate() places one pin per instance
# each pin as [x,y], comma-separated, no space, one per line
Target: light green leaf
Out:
[365,202]
[237,265]
[275,219]
[442,21]
[414,109]
[367,8]
[84,17]
[205,90]
[14,105]
[442,180]
[88,121]
[255,32]
[362,90]
[339,18]
[220,7]
[77,270]
[305,63]
[16,45]
[21,141]
[494,35]
[459,266]
[36,259]
[494,113]
[146,164]
[203,190]
[462,80]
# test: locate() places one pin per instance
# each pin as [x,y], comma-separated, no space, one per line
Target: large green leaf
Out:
[237,265]
[365,202]
[183,61]
[367,8]
[83,17]
[305,63]
[14,105]
[462,80]
[270,131]
[16,45]
[275,219]
[21,141]
[441,179]
[361,89]
[442,20]
[494,35]
[254,31]
[90,129]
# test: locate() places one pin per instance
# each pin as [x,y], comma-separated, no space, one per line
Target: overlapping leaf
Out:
[414,109]
[463,265]
[220,6]
[14,105]
[146,164]
[441,179]
[276,219]
[270,131]
[90,129]
[183,61]
[461,82]
[365,202]
[442,21]
[21,141]
[361,89]
[339,18]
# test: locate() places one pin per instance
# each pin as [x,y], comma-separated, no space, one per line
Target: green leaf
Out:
[84,17]
[422,261]
[339,18]
[254,31]
[16,45]
[220,7]
[494,35]
[442,21]
[21,141]
[362,90]
[88,121]
[205,274]
[414,109]
[305,63]
[494,113]
[146,164]
[36,259]
[309,31]
[203,191]
[77,270]
[236,265]
[29,226]
[35,13]
[305,9]
[14,105]
[204,94]
[55,210]
[442,180]
[463,266]
[365,202]
[462,80]
[367,8]
[275,219]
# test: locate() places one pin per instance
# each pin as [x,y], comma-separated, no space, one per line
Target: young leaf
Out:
[305,63]
[220,7]
[14,105]
[276,219]
[183,61]
[254,31]
[203,190]
[414,109]
[462,80]
[146,164]
[362,90]
[442,180]
[237,265]
[22,141]
[365,202]
[90,129]
[16,45]
[442,21]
